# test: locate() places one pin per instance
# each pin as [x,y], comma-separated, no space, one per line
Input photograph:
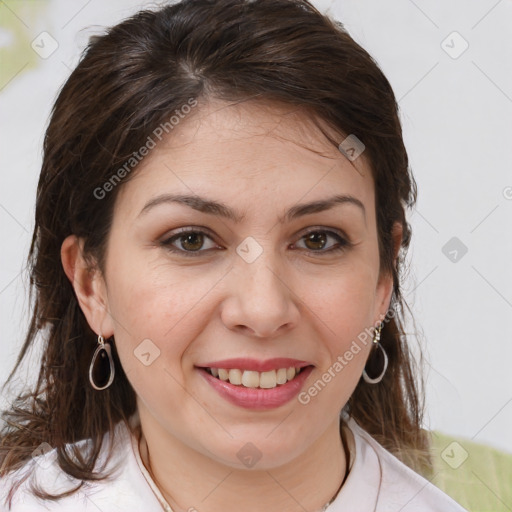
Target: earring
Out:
[376,339]
[102,364]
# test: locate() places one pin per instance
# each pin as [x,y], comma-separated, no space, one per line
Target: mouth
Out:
[253,389]
[256,380]
[256,384]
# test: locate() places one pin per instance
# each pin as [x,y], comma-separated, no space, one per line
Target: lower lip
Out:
[257,398]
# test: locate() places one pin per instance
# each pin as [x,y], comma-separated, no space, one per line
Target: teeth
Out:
[235,377]
[281,376]
[268,379]
[252,379]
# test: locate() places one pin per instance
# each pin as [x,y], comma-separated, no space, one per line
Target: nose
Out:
[261,301]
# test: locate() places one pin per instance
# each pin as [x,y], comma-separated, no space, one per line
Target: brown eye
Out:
[318,240]
[189,243]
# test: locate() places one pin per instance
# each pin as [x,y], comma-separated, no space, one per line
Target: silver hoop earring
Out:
[102,369]
[376,339]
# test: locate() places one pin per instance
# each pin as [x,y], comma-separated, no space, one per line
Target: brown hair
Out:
[128,82]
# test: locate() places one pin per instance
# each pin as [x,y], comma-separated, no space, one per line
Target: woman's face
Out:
[248,285]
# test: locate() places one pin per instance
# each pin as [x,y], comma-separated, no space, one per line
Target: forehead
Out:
[249,148]
[288,127]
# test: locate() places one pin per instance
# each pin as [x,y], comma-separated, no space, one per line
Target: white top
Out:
[377,482]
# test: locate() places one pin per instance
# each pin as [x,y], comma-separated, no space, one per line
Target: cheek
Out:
[342,312]
[343,301]
[158,304]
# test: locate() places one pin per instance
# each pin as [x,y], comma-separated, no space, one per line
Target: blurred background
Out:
[450,66]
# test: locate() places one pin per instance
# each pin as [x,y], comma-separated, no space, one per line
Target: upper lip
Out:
[244,363]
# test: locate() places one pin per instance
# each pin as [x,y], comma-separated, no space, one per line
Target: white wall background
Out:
[457,120]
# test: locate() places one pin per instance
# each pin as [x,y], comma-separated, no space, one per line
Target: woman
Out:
[219,235]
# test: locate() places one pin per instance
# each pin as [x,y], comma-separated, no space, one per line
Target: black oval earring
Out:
[102,369]
[378,345]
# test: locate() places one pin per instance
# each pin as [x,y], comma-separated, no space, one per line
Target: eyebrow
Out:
[212,207]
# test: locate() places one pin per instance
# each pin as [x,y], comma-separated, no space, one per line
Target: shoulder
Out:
[40,472]
[401,488]
[124,491]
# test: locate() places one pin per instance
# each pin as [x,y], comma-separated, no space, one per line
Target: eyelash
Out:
[167,243]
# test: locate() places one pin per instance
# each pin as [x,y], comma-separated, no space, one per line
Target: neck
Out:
[190,481]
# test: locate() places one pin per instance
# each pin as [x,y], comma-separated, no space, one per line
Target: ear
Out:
[89,286]
[385,284]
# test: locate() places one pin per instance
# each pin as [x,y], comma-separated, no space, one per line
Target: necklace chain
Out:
[167,508]
[150,481]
